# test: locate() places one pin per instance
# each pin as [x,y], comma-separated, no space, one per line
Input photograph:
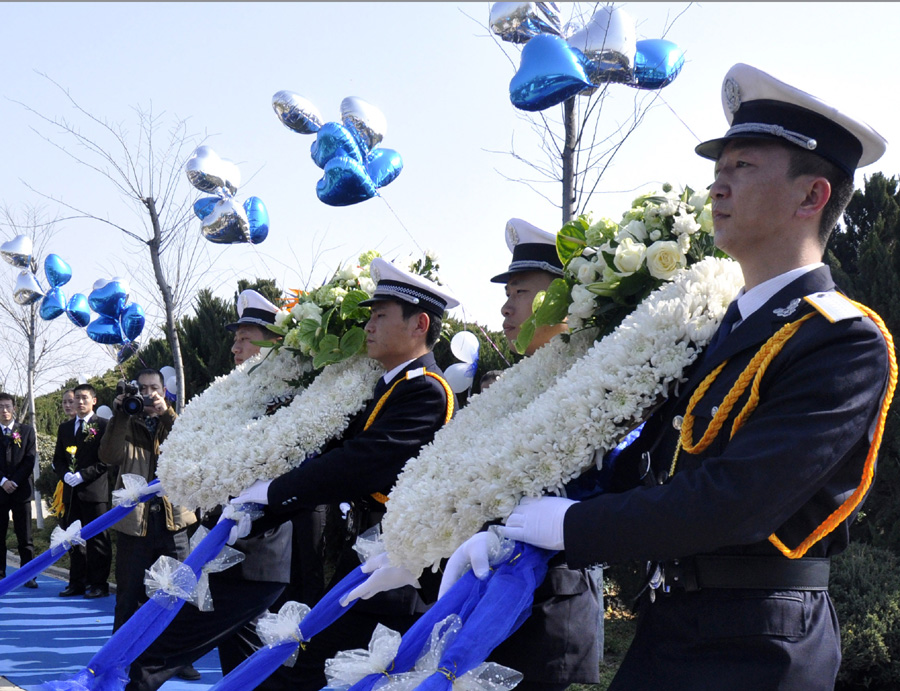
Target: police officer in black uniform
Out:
[740,524]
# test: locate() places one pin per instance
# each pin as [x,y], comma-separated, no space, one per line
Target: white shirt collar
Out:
[388,376]
[759,295]
[86,417]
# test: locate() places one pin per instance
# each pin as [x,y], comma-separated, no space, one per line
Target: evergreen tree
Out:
[865,258]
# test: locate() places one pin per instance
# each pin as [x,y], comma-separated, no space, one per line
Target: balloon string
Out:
[401,224]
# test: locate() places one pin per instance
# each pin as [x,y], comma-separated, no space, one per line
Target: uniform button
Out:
[715,409]
[677,421]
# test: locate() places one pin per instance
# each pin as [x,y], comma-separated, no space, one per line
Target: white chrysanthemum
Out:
[223,441]
[685,224]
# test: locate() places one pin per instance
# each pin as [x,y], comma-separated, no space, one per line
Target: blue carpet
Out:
[45,637]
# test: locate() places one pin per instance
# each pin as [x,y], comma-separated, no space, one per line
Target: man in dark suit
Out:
[17,456]
[85,494]
[360,468]
[740,524]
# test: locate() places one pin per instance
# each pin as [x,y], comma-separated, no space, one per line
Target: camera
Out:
[132,401]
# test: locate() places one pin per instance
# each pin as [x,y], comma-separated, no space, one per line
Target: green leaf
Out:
[329,351]
[350,308]
[555,306]
[635,283]
[526,333]
[570,240]
[352,342]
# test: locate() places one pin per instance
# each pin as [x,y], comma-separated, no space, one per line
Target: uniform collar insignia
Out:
[787,311]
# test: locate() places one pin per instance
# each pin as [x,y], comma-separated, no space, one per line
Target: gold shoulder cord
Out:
[378,496]
[752,376]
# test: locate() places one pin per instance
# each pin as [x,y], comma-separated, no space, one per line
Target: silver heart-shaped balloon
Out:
[17,251]
[209,173]
[608,43]
[27,290]
[296,113]
[519,22]
[367,121]
[226,224]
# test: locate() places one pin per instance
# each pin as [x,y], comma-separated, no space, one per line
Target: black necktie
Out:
[380,388]
[732,316]
[77,425]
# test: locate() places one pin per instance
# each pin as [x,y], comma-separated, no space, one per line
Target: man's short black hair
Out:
[804,162]
[85,387]
[150,371]
[407,309]
[7,397]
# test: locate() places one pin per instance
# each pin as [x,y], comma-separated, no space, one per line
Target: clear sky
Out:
[442,82]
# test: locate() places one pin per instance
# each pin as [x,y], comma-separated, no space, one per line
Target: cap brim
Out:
[248,322]
[713,148]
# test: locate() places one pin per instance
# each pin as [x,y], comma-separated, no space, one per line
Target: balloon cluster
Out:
[554,68]
[171,383]
[117,323]
[223,220]
[353,168]
[461,375]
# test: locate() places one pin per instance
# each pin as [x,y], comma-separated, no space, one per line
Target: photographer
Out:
[141,421]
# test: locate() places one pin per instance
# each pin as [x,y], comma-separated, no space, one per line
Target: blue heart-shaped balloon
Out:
[258,217]
[334,140]
[132,321]
[108,300]
[78,310]
[105,330]
[549,73]
[383,165]
[656,63]
[57,271]
[53,304]
[345,182]
[203,207]
[127,350]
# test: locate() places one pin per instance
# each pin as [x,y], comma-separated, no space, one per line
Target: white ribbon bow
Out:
[135,491]
[369,543]
[350,666]
[228,557]
[274,629]
[62,540]
[488,676]
[172,578]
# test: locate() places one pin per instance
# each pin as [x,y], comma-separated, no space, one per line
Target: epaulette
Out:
[834,306]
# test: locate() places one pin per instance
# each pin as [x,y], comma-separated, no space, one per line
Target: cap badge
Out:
[731,91]
[512,235]
[787,311]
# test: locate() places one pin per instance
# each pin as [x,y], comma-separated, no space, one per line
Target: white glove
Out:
[538,521]
[257,493]
[382,577]
[475,552]
[73,479]
[242,526]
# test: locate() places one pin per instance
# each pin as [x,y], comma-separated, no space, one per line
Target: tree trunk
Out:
[168,302]
[32,419]
[568,160]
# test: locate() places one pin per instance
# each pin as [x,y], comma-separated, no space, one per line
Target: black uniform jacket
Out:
[17,463]
[365,461]
[95,487]
[794,461]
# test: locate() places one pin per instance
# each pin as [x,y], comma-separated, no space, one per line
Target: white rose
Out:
[282,317]
[664,259]
[367,284]
[698,200]
[348,273]
[629,256]
[307,310]
[575,265]
[706,220]
[586,272]
[582,302]
[635,229]
[685,224]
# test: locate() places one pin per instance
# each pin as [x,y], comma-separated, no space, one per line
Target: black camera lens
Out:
[132,405]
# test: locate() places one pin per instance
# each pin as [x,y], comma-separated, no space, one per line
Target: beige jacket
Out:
[128,446]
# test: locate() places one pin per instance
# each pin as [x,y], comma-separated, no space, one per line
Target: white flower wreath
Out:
[541,424]
[223,442]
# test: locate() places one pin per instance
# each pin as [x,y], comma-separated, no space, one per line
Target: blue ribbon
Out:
[261,664]
[108,669]
[41,562]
